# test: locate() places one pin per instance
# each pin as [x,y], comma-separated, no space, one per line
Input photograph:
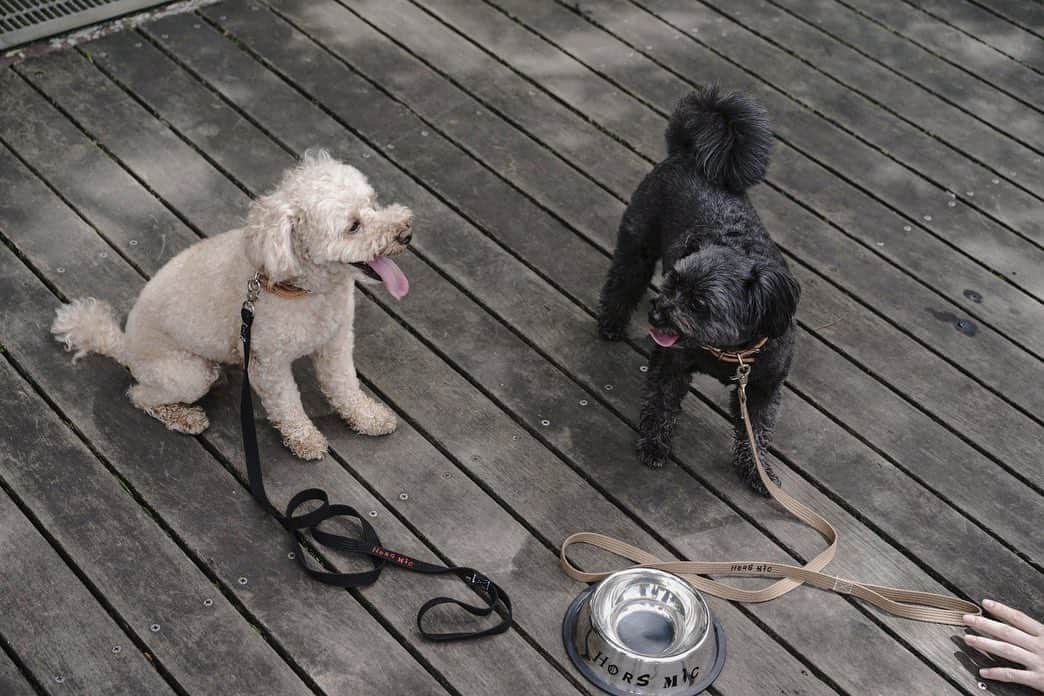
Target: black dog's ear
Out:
[773,295]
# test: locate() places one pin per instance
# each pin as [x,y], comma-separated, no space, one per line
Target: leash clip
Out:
[253,292]
[741,377]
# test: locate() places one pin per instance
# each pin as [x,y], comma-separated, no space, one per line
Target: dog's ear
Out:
[270,232]
[773,295]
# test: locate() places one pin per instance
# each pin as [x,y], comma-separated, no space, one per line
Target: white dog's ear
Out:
[270,238]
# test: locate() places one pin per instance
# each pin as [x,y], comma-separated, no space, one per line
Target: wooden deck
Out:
[906,190]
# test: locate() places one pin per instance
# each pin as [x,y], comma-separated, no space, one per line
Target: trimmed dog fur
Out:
[320,230]
[725,282]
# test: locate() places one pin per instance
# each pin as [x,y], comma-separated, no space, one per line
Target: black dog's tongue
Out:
[663,339]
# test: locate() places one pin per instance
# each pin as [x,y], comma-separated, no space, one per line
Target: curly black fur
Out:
[725,284]
[727,135]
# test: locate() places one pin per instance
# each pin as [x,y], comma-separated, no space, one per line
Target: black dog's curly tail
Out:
[728,135]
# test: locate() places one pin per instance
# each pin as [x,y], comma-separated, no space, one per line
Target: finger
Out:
[1013,676]
[1000,649]
[1014,617]
[1001,631]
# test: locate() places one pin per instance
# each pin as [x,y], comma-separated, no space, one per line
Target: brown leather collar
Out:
[746,355]
[287,290]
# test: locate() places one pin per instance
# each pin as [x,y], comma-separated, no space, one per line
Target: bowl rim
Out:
[610,637]
[569,622]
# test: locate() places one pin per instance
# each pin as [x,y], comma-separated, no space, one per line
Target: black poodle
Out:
[726,286]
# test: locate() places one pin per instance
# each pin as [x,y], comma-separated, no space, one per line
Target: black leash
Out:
[368,544]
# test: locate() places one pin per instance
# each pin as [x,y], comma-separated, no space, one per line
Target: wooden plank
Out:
[582,263]
[507,660]
[872,224]
[62,635]
[1025,13]
[549,628]
[1014,114]
[322,646]
[316,69]
[959,48]
[375,61]
[973,238]
[489,83]
[95,104]
[990,29]
[923,111]
[127,216]
[843,263]
[12,682]
[890,176]
[303,616]
[860,54]
[532,111]
[825,249]
[291,128]
[150,581]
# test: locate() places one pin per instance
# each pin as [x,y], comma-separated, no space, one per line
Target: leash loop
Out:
[299,523]
[919,606]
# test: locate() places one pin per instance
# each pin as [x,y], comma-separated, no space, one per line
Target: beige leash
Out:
[908,604]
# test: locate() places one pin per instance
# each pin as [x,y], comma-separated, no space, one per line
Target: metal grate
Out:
[22,21]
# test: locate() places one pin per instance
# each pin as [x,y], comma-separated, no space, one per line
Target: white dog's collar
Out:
[282,289]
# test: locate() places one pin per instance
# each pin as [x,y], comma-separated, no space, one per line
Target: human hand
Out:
[1019,639]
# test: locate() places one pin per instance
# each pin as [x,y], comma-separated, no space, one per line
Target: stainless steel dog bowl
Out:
[643,631]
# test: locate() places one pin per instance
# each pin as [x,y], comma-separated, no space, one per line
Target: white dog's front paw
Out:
[304,440]
[371,417]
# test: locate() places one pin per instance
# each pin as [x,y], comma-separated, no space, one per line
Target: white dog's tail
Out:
[89,326]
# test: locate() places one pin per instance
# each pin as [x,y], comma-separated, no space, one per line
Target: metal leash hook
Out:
[253,292]
[741,377]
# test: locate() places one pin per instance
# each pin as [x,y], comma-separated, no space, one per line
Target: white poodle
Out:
[311,238]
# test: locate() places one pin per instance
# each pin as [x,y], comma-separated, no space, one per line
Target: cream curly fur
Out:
[186,321]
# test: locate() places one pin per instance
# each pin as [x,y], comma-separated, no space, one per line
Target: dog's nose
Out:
[406,236]
[656,316]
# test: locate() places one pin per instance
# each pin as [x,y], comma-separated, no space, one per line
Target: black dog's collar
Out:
[744,356]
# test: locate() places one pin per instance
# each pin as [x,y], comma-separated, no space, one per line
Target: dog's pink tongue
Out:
[665,340]
[391,275]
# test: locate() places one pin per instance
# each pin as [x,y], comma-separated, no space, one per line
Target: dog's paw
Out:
[305,441]
[748,470]
[652,454]
[372,418]
[610,330]
[181,418]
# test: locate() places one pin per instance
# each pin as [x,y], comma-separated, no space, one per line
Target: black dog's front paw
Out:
[747,468]
[653,453]
[611,330]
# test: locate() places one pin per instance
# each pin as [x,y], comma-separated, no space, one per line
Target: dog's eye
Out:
[354,227]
